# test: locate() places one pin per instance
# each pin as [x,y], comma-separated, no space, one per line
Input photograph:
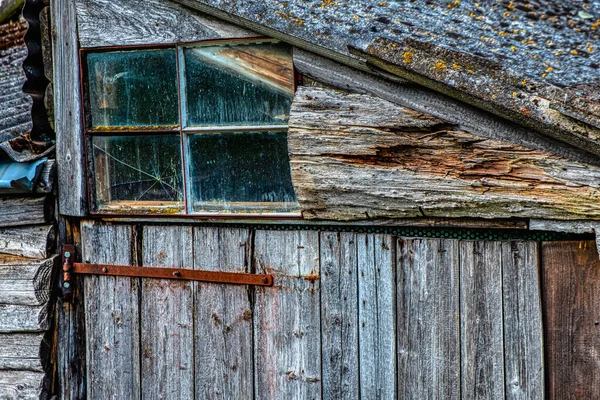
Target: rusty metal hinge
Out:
[234,278]
[66,285]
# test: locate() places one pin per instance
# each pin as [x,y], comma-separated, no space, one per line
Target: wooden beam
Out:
[20,318]
[35,241]
[24,385]
[138,22]
[24,281]
[358,157]
[18,211]
[67,110]
[21,351]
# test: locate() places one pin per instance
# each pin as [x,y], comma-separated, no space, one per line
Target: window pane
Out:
[133,89]
[241,172]
[238,84]
[138,171]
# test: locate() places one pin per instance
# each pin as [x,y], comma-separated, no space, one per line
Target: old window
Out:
[190,129]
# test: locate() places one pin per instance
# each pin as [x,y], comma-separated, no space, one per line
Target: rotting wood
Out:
[522,314]
[167,307]
[339,315]
[18,211]
[376,316]
[67,110]
[418,98]
[571,298]
[28,241]
[137,22]
[21,351]
[111,315]
[20,318]
[21,385]
[287,334]
[223,317]
[428,323]
[24,281]
[357,157]
[482,352]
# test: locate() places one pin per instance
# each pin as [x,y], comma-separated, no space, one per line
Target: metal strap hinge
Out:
[234,278]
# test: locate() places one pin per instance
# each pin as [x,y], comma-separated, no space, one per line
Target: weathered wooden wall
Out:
[357,157]
[351,315]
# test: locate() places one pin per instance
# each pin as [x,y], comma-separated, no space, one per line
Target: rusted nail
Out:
[177,273]
[265,280]
[105,270]
[67,254]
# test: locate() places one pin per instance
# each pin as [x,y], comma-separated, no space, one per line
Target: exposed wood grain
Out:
[67,110]
[223,317]
[376,316]
[19,318]
[522,312]
[418,98]
[287,345]
[15,105]
[359,157]
[135,22]
[24,281]
[28,241]
[482,353]
[571,298]
[21,385]
[112,315]
[24,211]
[339,315]
[21,351]
[578,226]
[428,319]
[167,329]
[71,382]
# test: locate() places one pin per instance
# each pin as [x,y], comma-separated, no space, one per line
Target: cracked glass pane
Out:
[241,172]
[138,171]
[133,89]
[238,84]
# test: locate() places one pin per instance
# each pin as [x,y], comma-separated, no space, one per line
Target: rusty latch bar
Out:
[234,278]
[68,254]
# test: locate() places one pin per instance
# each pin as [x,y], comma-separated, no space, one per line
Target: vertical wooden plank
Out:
[67,109]
[223,316]
[523,339]
[376,316]
[111,315]
[428,319]
[571,298]
[339,315]
[287,343]
[167,328]
[481,320]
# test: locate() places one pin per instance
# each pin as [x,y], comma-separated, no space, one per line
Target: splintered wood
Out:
[357,157]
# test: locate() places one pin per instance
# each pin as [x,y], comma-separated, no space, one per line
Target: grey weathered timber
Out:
[223,317]
[571,298]
[67,110]
[376,316]
[357,157]
[15,105]
[428,319]
[24,281]
[21,385]
[578,226]
[111,315]
[24,211]
[137,22]
[21,351]
[522,313]
[28,241]
[482,352]
[167,329]
[19,318]
[339,315]
[287,345]
[419,98]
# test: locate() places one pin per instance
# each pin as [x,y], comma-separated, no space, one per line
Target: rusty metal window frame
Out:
[182,131]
